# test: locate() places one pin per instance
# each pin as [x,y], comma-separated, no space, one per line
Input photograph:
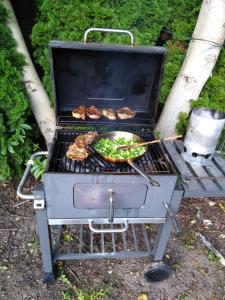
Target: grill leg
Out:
[45,245]
[166,228]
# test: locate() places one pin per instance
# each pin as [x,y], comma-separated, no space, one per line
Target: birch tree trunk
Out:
[203,51]
[39,101]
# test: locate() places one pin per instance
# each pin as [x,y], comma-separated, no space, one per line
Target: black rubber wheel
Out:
[158,274]
[48,277]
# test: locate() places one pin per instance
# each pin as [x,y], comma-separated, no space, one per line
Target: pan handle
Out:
[149,178]
[109,30]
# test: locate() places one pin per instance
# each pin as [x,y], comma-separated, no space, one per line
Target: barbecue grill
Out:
[105,209]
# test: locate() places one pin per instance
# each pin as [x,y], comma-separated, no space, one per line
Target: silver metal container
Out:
[202,135]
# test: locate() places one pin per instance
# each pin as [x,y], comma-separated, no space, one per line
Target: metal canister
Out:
[202,135]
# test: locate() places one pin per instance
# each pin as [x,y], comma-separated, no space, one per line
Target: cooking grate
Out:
[141,119]
[154,160]
[79,242]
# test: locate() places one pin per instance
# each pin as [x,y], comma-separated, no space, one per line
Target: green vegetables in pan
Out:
[108,147]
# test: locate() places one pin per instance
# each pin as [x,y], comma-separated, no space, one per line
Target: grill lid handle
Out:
[109,30]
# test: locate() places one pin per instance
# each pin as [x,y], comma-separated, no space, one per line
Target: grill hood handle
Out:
[109,30]
[149,178]
[26,174]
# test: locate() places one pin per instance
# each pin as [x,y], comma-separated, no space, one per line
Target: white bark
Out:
[202,54]
[39,101]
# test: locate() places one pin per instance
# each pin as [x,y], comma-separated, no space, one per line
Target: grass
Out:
[212,257]
[71,291]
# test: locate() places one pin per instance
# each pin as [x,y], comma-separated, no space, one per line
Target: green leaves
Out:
[38,168]
[67,20]
[15,139]
[182,123]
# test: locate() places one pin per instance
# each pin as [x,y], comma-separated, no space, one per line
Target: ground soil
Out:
[196,274]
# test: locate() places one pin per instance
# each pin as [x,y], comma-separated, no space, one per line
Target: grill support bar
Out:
[166,228]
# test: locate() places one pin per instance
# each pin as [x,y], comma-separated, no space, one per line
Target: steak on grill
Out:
[79,150]
[93,113]
[109,113]
[86,139]
[125,113]
[79,112]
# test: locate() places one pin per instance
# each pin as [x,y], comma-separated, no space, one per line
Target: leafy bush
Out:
[68,19]
[15,142]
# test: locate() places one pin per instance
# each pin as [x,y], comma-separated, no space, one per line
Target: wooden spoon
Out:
[125,147]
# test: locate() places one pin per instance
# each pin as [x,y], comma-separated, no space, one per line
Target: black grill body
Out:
[79,189]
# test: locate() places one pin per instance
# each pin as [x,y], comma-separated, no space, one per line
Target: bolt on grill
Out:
[155,161]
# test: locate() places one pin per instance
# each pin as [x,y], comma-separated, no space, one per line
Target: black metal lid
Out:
[107,76]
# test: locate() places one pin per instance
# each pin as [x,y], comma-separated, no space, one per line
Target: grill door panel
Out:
[96,196]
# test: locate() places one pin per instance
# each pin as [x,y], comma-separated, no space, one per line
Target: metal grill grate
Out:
[154,161]
[141,119]
[79,242]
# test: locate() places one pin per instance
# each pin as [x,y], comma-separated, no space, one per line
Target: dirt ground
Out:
[196,273]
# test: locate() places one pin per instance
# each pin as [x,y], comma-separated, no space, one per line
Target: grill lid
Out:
[107,76]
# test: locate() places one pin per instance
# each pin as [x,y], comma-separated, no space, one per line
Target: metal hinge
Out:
[39,203]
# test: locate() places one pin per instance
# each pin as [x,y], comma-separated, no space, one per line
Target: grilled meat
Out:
[86,139]
[93,113]
[77,153]
[79,149]
[79,112]
[109,113]
[125,113]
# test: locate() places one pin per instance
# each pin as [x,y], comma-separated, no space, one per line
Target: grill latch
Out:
[39,203]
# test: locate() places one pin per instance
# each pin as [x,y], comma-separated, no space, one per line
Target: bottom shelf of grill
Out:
[79,242]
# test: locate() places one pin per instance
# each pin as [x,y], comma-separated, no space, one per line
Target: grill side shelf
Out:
[201,181]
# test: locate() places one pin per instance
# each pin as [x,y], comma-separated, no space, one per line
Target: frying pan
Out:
[128,136]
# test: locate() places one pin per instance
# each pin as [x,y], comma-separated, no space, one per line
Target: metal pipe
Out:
[109,30]
[25,176]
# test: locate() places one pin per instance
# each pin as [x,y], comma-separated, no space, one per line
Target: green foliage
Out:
[183,297]
[38,168]
[182,124]
[72,291]
[68,19]
[15,133]
[212,257]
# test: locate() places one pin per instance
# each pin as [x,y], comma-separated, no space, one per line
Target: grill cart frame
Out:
[116,223]
[52,254]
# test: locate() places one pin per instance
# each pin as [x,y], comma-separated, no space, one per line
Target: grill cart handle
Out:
[109,30]
[25,176]
[108,230]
